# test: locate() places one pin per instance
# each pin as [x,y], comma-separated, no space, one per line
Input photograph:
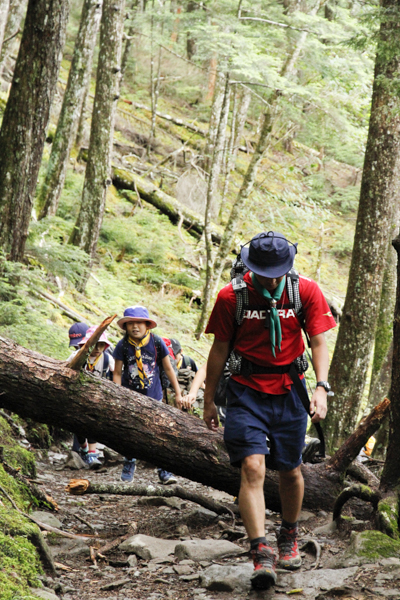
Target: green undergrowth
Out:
[20,564]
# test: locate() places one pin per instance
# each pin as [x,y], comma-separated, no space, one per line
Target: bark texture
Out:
[68,121]
[48,391]
[379,191]
[26,116]
[383,347]
[391,471]
[98,170]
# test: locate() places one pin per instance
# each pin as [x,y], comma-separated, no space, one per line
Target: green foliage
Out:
[48,245]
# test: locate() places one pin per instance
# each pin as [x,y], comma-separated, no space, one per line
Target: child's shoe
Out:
[128,470]
[166,478]
[264,575]
[91,459]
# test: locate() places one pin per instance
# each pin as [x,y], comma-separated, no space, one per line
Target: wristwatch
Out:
[324,384]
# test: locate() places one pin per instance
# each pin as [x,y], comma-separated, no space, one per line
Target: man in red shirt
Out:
[266,421]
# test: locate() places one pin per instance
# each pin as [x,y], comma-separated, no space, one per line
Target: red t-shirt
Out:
[251,339]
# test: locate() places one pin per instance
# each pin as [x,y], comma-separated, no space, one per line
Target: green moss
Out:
[14,454]
[19,561]
[375,545]
[388,515]
[20,567]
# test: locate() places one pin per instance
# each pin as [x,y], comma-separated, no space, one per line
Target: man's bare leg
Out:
[251,495]
[291,490]
[252,511]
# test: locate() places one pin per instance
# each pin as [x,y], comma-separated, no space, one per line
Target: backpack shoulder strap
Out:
[125,352]
[293,292]
[157,344]
[106,362]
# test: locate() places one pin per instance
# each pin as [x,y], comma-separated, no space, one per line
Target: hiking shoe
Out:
[91,459]
[289,557]
[166,478]
[264,559]
[128,470]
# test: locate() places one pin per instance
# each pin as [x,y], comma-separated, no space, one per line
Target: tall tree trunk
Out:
[4,9]
[129,40]
[237,127]
[215,118]
[175,29]
[383,348]
[249,179]
[190,40]
[379,192]
[98,169]
[212,78]
[211,195]
[16,12]
[80,130]
[26,116]
[79,76]
[391,472]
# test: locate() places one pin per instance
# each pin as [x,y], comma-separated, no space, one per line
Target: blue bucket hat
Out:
[136,313]
[76,333]
[269,254]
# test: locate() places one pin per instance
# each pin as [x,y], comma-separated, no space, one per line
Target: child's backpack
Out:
[106,366]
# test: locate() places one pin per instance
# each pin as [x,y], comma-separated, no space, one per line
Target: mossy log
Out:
[126,180]
[46,390]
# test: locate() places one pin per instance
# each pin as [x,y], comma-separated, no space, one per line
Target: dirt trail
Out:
[119,575]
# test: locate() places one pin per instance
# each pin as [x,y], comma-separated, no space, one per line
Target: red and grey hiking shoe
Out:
[289,557]
[265,560]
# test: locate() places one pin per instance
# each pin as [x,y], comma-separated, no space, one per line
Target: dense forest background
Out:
[307,184]
[142,142]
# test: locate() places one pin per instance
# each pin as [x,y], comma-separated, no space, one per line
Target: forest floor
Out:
[118,575]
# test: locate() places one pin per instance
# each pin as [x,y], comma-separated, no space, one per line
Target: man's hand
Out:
[179,400]
[318,405]
[210,416]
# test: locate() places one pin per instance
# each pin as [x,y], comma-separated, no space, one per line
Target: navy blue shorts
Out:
[252,417]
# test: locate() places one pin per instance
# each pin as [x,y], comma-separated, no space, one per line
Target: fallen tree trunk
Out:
[46,390]
[168,205]
[352,446]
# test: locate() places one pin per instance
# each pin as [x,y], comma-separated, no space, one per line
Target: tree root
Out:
[362,492]
[46,557]
[83,486]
